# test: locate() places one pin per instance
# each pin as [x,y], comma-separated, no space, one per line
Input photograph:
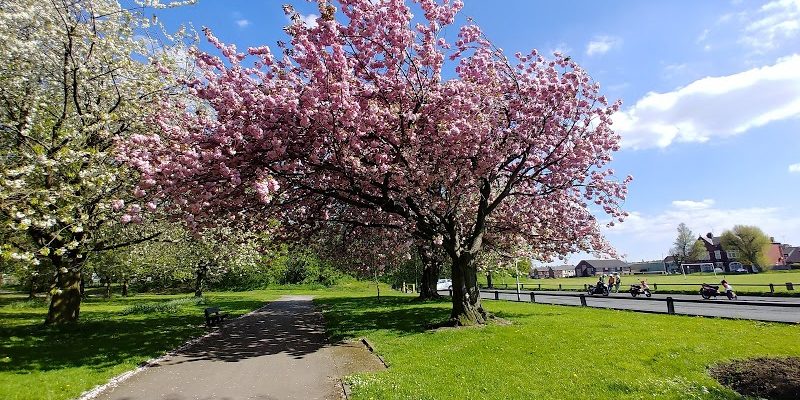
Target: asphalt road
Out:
[746,307]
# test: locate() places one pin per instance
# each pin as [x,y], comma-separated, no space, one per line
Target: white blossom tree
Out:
[75,77]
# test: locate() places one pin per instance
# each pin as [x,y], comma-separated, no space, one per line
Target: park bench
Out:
[214,317]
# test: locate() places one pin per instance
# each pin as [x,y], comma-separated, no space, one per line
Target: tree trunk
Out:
[32,288]
[489,280]
[125,287]
[431,267]
[65,305]
[108,287]
[467,309]
[427,288]
[198,284]
[83,287]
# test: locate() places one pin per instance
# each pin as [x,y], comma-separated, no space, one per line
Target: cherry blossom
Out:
[445,139]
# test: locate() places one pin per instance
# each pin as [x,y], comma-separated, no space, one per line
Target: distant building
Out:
[777,255]
[791,255]
[670,265]
[648,266]
[554,271]
[601,267]
[715,255]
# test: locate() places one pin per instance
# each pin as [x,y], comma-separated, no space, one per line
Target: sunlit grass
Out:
[548,352]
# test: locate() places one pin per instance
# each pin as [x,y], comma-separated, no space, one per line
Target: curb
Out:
[371,349]
[117,380]
[346,392]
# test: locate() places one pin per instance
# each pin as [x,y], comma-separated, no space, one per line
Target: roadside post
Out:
[516,273]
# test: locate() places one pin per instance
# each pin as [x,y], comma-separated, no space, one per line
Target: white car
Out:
[444,284]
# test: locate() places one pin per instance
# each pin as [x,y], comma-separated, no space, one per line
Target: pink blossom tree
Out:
[444,139]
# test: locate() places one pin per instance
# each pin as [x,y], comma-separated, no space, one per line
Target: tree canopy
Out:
[444,138]
[750,242]
[76,77]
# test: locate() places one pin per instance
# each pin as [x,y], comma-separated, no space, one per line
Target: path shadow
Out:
[100,339]
[284,326]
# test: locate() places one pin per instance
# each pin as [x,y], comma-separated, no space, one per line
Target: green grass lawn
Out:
[547,352]
[778,278]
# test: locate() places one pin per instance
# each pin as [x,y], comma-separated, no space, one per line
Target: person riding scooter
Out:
[708,291]
[642,288]
[599,288]
[728,289]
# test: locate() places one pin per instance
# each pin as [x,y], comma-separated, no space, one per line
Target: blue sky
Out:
[710,90]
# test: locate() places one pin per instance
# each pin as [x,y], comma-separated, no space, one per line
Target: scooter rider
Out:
[728,289]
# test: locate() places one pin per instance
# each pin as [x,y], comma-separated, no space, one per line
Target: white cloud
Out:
[309,20]
[794,167]
[693,205]
[703,36]
[649,236]
[242,23]
[602,44]
[713,107]
[773,23]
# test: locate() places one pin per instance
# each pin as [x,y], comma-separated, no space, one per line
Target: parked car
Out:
[444,284]
[718,270]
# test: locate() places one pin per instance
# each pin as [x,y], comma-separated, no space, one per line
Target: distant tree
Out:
[686,247]
[751,243]
[698,250]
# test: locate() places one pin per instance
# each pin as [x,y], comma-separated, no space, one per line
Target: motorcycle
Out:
[637,290]
[600,288]
[708,291]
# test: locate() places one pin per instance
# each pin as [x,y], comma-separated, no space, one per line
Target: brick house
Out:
[716,255]
[601,267]
[791,255]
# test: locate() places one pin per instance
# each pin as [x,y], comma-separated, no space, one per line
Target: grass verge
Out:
[548,352]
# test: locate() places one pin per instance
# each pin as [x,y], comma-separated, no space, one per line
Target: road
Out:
[744,308]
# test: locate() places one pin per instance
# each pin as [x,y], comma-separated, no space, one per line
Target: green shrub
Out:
[30,303]
[166,306]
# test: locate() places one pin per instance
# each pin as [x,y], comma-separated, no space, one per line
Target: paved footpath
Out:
[277,352]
